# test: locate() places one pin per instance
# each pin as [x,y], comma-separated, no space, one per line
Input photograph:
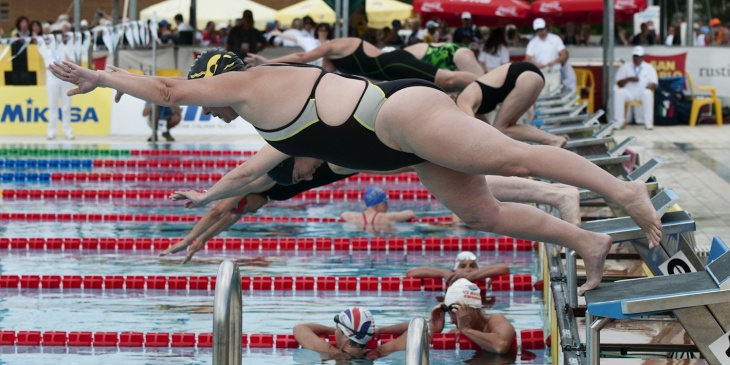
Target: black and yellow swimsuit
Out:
[395,65]
[442,56]
[353,144]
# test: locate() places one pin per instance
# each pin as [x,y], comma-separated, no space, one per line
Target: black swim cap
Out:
[282,174]
[214,61]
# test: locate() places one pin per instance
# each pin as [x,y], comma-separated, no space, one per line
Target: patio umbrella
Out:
[217,11]
[380,12]
[584,11]
[483,12]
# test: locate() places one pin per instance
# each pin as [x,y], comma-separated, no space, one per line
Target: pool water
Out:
[265,311]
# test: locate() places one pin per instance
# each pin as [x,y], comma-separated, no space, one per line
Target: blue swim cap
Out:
[374,196]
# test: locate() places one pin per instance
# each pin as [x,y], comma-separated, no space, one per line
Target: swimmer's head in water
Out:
[214,61]
[374,196]
[283,173]
[357,324]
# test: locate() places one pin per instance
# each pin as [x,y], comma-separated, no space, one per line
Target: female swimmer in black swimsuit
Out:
[414,124]
[516,86]
[354,56]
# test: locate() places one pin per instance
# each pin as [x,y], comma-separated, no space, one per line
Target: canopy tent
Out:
[584,11]
[217,11]
[380,13]
[483,12]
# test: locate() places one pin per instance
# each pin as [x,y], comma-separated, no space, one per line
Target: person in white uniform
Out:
[548,53]
[636,81]
[56,51]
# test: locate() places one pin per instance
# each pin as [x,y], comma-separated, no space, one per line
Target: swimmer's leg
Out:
[518,102]
[426,122]
[474,203]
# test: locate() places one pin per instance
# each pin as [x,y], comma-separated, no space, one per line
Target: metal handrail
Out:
[227,313]
[417,348]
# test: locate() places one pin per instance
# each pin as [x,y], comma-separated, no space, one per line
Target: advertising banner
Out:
[24,110]
[127,119]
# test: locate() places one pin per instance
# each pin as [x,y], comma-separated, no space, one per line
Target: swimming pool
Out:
[59,265]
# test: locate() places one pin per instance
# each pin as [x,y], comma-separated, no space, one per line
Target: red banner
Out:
[668,66]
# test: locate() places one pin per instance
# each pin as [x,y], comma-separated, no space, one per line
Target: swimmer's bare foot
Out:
[558,141]
[637,203]
[568,203]
[593,260]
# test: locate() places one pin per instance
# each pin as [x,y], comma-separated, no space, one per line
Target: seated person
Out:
[171,114]
[466,267]
[493,333]
[354,327]
[376,211]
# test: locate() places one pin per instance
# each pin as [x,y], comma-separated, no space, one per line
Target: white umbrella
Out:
[217,11]
[380,12]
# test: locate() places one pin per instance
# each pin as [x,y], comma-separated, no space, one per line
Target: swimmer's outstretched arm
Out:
[324,50]
[210,219]
[428,272]
[237,179]
[307,335]
[164,91]
[480,274]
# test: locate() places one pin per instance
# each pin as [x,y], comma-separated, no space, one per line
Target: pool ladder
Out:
[417,349]
[227,313]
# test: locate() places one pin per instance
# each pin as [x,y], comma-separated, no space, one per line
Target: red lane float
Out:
[87,194]
[195,153]
[530,339]
[406,177]
[178,218]
[236,244]
[516,282]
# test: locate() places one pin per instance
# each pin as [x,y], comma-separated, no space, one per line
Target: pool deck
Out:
[697,165]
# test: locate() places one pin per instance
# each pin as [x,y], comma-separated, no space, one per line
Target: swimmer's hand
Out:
[86,80]
[255,59]
[194,198]
[179,246]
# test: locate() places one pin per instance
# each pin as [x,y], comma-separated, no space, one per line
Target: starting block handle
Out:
[644,171]
[717,249]
[620,148]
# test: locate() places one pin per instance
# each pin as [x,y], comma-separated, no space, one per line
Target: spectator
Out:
[584,38]
[181,26]
[569,36]
[514,39]
[382,37]
[619,37]
[359,21]
[46,28]
[308,27]
[467,32]
[57,89]
[222,33]
[716,34]
[673,37]
[548,53]
[376,215]
[164,33]
[22,27]
[296,30]
[185,32]
[636,81]
[495,52]
[431,35]
[84,25]
[643,38]
[245,38]
[568,79]
[701,32]
[395,39]
[36,29]
[417,33]
[171,115]
[210,38]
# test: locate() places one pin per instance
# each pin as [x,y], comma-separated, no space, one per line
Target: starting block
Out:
[646,296]
[565,120]
[613,156]
[569,110]
[599,137]
[642,173]
[589,125]
[555,94]
[568,99]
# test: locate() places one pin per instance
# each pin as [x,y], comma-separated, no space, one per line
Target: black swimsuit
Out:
[353,144]
[323,176]
[395,65]
[491,96]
